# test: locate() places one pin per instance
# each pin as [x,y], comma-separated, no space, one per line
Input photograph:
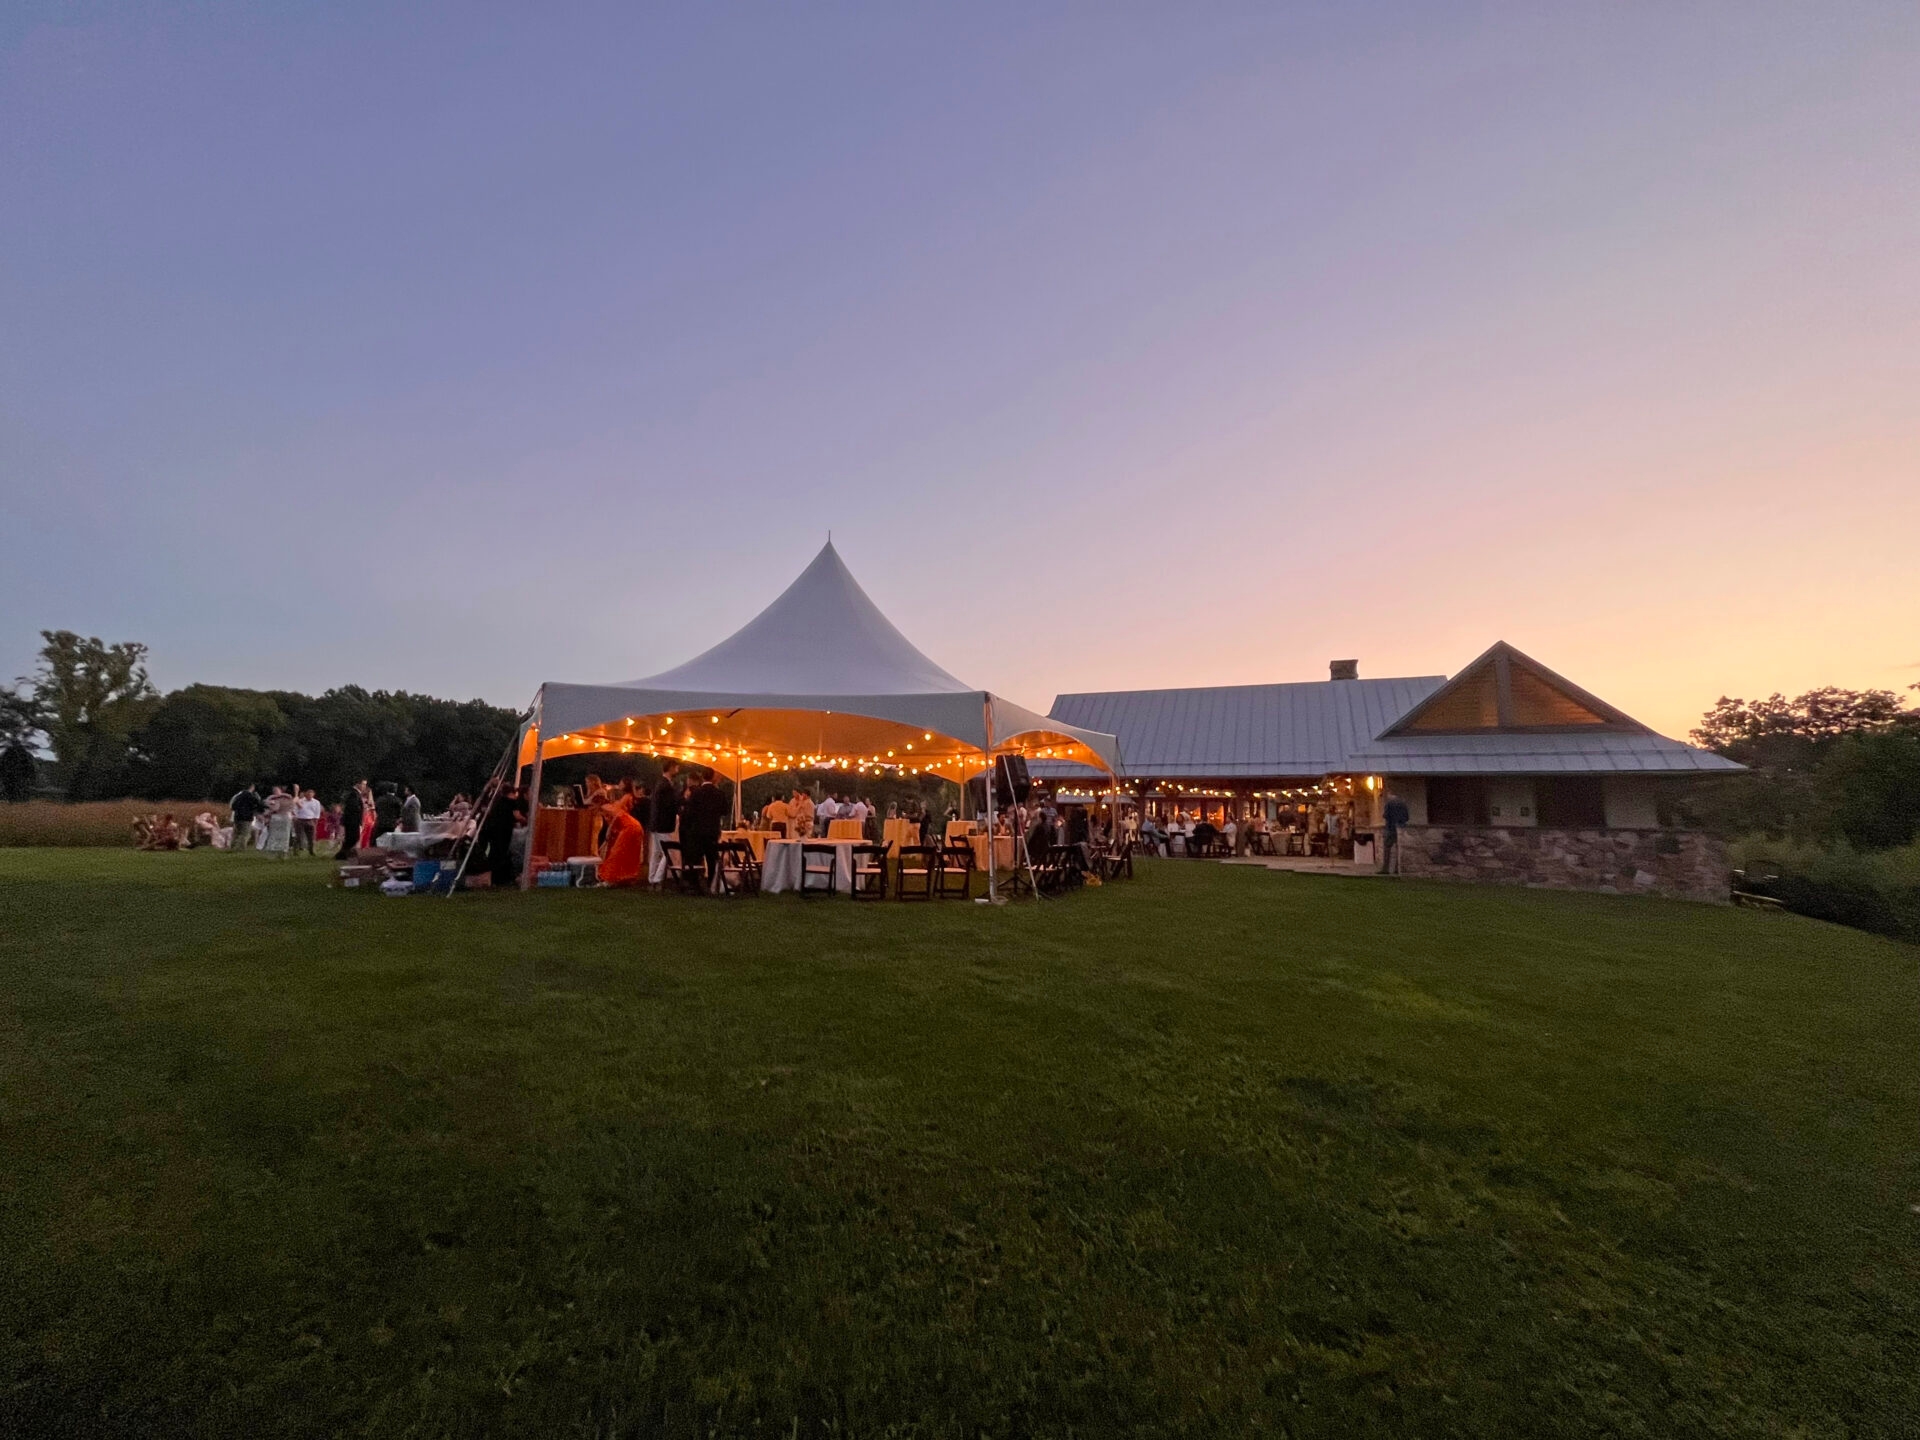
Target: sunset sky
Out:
[457,348]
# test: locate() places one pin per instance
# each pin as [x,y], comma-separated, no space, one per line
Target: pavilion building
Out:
[1509,772]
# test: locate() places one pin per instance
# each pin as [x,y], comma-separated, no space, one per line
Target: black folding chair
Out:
[919,872]
[955,880]
[817,866]
[869,871]
[739,871]
[1057,870]
[1045,868]
[680,876]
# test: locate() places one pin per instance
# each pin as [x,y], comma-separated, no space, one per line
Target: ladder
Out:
[490,795]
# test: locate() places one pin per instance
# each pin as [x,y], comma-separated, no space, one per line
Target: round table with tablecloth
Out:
[1003,852]
[780,866]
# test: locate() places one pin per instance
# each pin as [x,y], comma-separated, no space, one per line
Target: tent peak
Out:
[822,635]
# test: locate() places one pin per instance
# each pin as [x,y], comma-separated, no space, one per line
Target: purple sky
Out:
[454,349]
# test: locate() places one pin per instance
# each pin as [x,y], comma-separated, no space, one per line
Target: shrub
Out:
[1877,891]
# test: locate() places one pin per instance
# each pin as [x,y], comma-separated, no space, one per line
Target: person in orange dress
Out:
[626,862]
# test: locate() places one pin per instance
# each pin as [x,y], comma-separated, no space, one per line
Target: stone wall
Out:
[1683,864]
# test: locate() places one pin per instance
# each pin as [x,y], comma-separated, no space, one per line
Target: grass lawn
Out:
[1216,1152]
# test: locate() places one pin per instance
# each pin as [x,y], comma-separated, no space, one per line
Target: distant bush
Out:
[92,822]
[1876,890]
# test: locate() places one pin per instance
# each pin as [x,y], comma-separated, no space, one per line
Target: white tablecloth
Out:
[780,870]
[656,857]
[414,842]
[434,830]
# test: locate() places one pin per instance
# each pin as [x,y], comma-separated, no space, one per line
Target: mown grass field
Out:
[1220,1152]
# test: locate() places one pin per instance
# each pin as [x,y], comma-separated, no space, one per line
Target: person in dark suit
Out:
[1079,838]
[386,810]
[701,822]
[663,812]
[494,843]
[352,811]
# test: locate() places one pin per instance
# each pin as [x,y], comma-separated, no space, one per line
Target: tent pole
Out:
[993,893]
[736,792]
[993,889]
[533,800]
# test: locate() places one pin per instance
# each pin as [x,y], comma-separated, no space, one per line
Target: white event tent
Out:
[820,679]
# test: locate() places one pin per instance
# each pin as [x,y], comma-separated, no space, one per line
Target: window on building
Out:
[1570,802]
[1456,800]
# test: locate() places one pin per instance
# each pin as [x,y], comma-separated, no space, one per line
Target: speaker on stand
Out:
[1012,785]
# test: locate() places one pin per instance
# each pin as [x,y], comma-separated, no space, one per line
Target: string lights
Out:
[659,742]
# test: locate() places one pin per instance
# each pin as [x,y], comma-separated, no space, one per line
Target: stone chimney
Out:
[1343,669]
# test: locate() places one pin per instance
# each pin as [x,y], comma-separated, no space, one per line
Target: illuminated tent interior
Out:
[820,679]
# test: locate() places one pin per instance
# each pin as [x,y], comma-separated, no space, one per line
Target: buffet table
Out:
[435,830]
[561,833]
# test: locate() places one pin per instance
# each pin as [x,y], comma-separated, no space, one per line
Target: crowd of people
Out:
[686,803]
[291,819]
[798,816]
[1316,832]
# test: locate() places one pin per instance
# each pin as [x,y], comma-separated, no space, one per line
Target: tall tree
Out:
[1776,728]
[92,697]
[19,728]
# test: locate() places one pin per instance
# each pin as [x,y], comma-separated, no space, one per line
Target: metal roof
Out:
[1312,728]
[1307,728]
[1555,753]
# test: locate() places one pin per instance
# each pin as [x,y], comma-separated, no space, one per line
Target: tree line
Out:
[1830,765]
[1827,766]
[91,708]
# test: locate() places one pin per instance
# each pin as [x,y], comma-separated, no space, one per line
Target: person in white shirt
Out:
[825,813]
[306,820]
